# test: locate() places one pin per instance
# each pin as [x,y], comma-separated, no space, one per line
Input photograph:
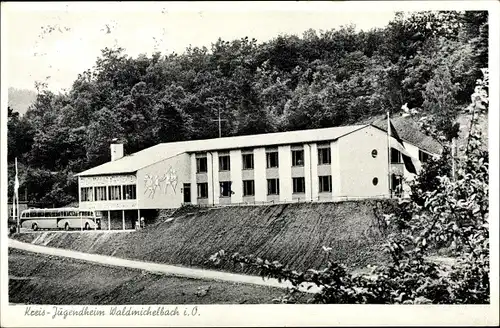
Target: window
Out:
[247,161]
[203,190]
[375,181]
[273,186]
[272,159]
[86,194]
[397,185]
[423,156]
[224,163]
[248,188]
[115,193]
[324,155]
[100,193]
[395,156]
[374,153]
[225,189]
[297,157]
[299,185]
[201,165]
[325,183]
[129,192]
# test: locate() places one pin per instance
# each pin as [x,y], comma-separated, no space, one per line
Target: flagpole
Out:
[14,208]
[389,153]
[16,191]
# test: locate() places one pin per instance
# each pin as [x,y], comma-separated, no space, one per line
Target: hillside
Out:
[293,234]
[43,279]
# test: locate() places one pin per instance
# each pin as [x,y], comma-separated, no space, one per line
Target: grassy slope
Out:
[292,234]
[42,279]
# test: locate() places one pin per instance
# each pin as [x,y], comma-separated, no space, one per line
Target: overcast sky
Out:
[82,30]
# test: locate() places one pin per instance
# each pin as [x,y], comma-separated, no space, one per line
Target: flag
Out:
[16,183]
[412,164]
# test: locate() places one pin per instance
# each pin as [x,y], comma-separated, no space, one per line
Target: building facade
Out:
[300,166]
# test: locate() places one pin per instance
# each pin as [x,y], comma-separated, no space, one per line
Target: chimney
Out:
[116,151]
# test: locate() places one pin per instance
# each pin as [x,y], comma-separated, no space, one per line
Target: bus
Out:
[60,218]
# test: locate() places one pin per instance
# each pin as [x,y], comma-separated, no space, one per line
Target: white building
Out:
[328,164]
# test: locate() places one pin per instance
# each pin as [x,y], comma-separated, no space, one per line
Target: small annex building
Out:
[329,164]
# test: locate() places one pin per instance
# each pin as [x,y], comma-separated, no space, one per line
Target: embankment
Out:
[293,234]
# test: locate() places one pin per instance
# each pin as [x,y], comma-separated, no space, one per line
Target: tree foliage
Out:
[429,60]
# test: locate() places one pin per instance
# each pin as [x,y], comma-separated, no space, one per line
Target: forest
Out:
[429,61]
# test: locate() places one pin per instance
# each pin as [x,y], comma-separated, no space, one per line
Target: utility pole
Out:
[219,120]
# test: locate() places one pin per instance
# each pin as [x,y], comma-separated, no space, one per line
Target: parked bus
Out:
[60,218]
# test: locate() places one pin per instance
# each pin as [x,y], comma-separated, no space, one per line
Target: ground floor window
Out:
[100,193]
[129,192]
[325,183]
[225,189]
[273,186]
[86,194]
[115,193]
[203,190]
[299,185]
[397,185]
[248,188]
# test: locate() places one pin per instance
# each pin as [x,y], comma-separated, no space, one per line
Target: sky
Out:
[81,30]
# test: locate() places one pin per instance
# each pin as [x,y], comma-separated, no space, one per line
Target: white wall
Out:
[194,186]
[260,180]
[358,167]
[213,171]
[314,186]
[307,172]
[336,171]
[165,195]
[236,176]
[285,173]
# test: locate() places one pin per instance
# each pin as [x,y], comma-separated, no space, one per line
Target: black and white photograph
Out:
[249,163]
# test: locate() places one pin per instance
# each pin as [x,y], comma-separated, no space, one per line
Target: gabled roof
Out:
[409,130]
[155,154]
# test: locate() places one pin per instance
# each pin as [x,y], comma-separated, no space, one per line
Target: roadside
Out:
[36,278]
[176,271]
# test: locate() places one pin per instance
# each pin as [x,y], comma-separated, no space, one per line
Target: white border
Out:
[281,315]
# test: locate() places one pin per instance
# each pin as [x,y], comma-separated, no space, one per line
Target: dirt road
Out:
[156,267]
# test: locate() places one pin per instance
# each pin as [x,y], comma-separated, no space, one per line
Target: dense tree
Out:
[429,60]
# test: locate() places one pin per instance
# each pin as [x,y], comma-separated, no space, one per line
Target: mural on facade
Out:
[152,183]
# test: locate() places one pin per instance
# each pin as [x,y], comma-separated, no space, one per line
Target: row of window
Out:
[272,160]
[90,194]
[273,187]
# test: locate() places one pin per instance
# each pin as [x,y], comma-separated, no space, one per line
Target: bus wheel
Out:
[35,227]
[66,226]
[87,226]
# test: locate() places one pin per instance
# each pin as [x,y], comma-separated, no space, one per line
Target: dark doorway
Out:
[187,193]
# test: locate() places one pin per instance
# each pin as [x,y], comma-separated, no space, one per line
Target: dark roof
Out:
[409,130]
